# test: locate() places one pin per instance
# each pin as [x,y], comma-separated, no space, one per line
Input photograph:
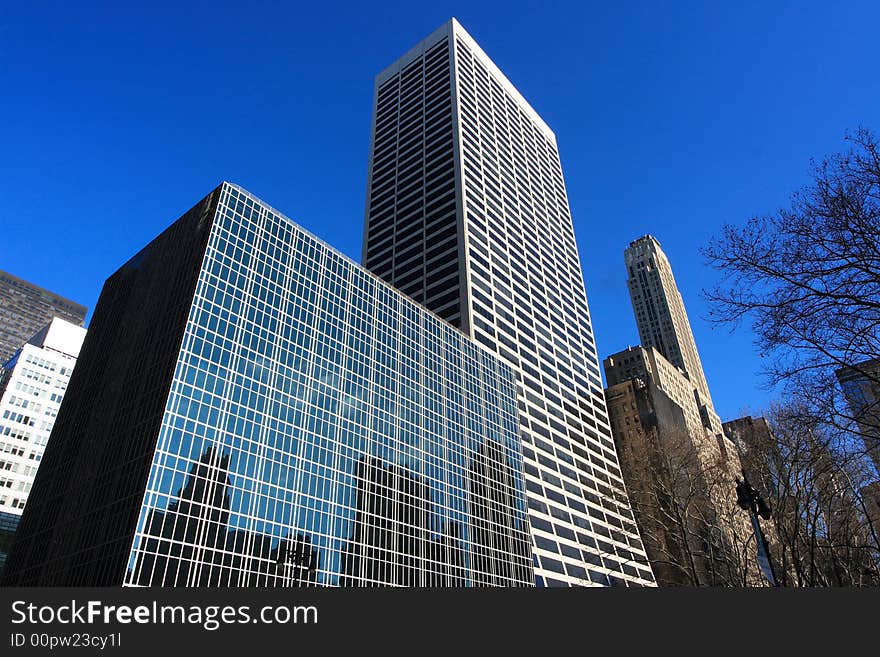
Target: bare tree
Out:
[809,474]
[683,500]
[807,278]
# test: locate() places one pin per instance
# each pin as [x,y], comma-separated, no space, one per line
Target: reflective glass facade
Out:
[467,213]
[322,429]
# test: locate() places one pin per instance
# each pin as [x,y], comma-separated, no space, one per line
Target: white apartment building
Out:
[31,389]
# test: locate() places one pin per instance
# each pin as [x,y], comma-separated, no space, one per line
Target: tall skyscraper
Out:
[251,408]
[467,213]
[26,308]
[31,389]
[662,319]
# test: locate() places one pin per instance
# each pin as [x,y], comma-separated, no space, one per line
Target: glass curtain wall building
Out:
[281,418]
[467,213]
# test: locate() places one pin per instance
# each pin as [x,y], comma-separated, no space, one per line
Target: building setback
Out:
[674,451]
[662,319]
[26,308]
[31,389]
[467,213]
[251,408]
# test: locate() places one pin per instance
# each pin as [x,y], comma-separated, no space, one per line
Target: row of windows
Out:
[39,377]
[18,468]
[45,364]
[22,486]
[512,176]
[29,421]
[14,432]
[510,171]
[13,502]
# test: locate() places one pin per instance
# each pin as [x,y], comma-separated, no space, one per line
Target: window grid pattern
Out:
[31,391]
[524,299]
[412,237]
[323,430]
[529,305]
[26,308]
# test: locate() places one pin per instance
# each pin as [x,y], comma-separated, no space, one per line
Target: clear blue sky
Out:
[672,118]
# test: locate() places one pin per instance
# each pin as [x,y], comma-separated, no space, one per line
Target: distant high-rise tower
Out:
[467,213]
[666,450]
[26,308]
[662,319]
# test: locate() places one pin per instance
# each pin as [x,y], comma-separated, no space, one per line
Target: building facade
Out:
[871,498]
[681,478]
[861,387]
[648,364]
[467,213]
[280,418]
[757,447]
[31,389]
[639,420]
[662,413]
[26,308]
[662,319]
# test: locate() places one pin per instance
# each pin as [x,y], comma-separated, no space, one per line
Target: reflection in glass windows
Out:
[191,544]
